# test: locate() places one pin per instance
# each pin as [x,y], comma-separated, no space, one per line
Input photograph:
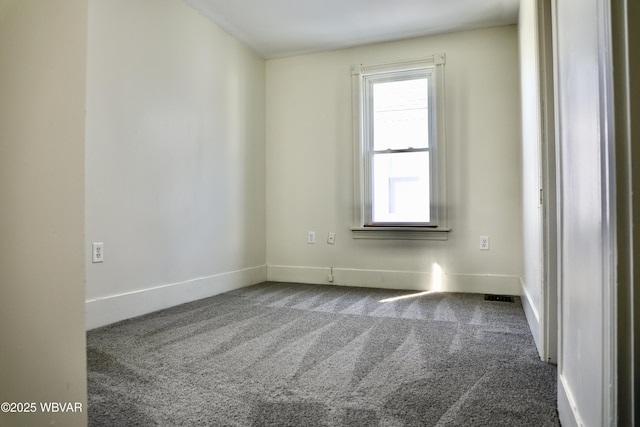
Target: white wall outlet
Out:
[97,252]
[311,237]
[331,238]
[484,243]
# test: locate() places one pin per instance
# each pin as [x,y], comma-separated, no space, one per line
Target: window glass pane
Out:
[400,118]
[401,187]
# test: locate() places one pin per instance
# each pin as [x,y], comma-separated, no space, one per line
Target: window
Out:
[399,155]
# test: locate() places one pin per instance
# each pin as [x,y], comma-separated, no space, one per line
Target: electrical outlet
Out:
[331,238]
[311,237]
[484,243]
[97,252]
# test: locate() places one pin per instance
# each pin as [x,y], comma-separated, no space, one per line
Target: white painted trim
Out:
[549,316]
[567,409]
[609,214]
[400,233]
[410,64]
[114,308]
[527,296]
[397,279]
[533,318]
[362,75]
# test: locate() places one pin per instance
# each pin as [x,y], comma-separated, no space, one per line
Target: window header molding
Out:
[430,61]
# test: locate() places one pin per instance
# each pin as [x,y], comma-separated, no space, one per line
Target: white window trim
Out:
[360,230]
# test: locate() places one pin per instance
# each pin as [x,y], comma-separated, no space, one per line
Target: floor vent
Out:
[502,298]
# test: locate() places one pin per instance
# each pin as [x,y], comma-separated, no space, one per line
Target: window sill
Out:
[400,233]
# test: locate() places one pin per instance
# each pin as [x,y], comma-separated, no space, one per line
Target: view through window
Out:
[401,160]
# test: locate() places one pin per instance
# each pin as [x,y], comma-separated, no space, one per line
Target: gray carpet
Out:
[279,354]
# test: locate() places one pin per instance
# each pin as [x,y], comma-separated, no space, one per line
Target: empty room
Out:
[292,213]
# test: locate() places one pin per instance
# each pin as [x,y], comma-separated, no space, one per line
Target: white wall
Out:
[531,167]
[310,164]
[586,353]
[175,159]
[42,99]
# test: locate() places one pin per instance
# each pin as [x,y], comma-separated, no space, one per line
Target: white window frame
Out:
[363,76]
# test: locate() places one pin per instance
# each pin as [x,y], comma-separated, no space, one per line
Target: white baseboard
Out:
[567,410]
[396,279]
[533,318]
[114,308]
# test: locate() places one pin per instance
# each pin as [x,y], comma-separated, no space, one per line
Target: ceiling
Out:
[279,28]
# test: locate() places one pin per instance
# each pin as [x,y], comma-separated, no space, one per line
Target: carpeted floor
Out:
[279,354]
